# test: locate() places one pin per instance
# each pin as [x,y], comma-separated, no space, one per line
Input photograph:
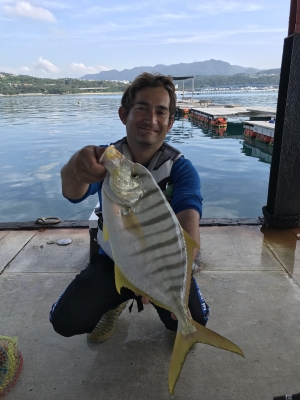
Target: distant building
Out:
[122,81]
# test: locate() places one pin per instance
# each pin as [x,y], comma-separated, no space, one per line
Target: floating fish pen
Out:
[208,119]
[262,131]
[217,115]
[214,129]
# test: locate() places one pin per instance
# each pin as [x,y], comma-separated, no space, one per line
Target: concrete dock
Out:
[250,277]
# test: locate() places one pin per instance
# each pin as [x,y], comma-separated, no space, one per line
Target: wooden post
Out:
[293,15]
[284,183]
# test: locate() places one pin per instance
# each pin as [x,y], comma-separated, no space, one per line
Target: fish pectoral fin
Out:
[190,242]
[190,246]
[183,343]
[122,281]
[132,224]
[105,233]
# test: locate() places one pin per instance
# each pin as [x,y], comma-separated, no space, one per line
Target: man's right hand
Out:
[86,164]
[82,169]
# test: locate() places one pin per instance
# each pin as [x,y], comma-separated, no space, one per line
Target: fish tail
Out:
[183,343]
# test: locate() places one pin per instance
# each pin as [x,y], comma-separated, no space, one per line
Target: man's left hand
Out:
[146,301]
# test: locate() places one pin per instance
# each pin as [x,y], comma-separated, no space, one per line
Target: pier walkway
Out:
[250,277]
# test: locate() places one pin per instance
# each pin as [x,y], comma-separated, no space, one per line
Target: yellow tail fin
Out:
[184,343]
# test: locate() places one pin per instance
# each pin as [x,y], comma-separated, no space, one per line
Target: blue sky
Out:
[53,39]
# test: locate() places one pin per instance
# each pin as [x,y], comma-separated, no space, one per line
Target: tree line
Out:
[205,81]
[24,84]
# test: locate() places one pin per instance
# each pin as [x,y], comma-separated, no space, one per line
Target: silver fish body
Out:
[152,253]
[146,238]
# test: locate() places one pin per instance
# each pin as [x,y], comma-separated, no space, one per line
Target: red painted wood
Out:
[294,20]
[297,25]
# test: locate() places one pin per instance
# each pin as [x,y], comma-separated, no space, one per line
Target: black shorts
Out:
[93,292]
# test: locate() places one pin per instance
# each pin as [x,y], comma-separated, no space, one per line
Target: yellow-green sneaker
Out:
[106,326]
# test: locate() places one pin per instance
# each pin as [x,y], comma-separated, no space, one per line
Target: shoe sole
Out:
[106,326]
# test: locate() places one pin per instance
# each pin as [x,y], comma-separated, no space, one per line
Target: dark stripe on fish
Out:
[166,255]
[157,219]
[140,225]
[169,267]
[175,288]
[159,231]
[157,246]
[150,192]
[159,203]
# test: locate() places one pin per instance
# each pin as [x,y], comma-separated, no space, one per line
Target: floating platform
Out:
[217,115]
[226,111]
[263,131]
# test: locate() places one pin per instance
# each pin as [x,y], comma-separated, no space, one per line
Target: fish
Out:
[153,255]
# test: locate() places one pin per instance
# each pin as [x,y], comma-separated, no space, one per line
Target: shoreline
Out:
[208,92]
[56,94]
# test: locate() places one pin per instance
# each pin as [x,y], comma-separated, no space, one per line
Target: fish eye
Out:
[134,175]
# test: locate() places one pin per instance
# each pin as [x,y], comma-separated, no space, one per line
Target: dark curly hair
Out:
[146,80]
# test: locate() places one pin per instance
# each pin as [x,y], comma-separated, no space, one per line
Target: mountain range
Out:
[209,67]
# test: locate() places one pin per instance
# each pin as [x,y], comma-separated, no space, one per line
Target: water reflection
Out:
[284,244]
[185,127]
[254,148]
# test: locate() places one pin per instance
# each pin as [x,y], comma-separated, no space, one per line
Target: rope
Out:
[11,362]
[48,221]
[280,220]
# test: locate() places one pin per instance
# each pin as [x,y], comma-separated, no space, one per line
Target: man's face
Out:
[149,118]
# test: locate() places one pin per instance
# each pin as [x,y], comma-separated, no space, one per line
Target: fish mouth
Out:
[111,157]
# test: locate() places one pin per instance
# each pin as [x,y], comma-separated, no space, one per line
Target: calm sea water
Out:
[40,133]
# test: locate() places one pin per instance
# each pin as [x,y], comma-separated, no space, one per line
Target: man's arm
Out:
[189,221]
[82,169]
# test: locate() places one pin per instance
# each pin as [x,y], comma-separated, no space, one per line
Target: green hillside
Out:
[24,84]
[238,79]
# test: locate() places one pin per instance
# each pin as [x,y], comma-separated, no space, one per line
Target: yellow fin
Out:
[190,246]
[105,233]
[184,343]
[132,224]
[190,242]
[122,281]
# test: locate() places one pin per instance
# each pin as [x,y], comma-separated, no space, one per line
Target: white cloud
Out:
[102,68]
[15,71]
[153,19]
[46,66]
[119,8]
[99,9]
[55,5]
[83,69]
[24,69]
[9,70]
[25,9]
[221,6]
[214,37]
